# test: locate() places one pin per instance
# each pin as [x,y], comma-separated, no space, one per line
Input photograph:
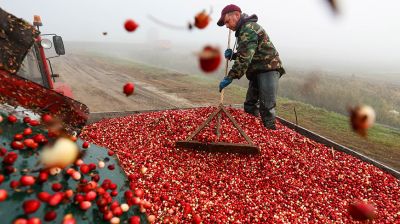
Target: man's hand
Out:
[228,53]
[224,83]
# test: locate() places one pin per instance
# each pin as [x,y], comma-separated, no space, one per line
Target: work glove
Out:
[228,53]
[224,83]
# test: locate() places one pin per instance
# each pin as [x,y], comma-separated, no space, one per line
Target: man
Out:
[256,57]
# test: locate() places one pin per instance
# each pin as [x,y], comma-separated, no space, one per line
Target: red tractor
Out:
[26,75]
[37,67]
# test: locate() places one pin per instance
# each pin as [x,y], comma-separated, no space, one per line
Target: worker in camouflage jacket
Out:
[256,57]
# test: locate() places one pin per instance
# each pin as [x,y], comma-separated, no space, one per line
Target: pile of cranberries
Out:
[293,180]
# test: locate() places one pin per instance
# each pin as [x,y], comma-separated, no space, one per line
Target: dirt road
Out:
[97,82]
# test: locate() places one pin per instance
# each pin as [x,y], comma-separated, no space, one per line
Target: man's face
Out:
[231,19]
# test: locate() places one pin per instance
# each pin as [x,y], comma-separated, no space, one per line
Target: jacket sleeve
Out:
[247,45]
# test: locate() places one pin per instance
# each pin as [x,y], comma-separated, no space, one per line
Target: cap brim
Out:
[221,21]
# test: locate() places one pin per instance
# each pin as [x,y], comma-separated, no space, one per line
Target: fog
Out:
[363,37]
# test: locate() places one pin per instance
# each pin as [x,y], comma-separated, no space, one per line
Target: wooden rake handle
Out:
[226,65]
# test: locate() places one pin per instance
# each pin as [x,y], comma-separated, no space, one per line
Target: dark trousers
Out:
[261,97]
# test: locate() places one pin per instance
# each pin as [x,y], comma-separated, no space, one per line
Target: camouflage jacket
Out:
[255,51]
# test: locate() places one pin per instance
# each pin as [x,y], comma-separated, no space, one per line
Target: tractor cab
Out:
[37,67]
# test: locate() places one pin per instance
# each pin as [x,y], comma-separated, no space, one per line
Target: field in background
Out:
[338,93]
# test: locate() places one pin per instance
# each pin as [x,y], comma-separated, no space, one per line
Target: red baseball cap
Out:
[227,9]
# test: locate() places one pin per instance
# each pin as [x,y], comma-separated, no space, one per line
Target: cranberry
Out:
[50,216]
[31,206]
[12,119]
[27,119]
[85,205]
[85,145]
[130,25]
[3,195]
[56,187]
[27,131]
[34,220]
[134,220]
[56,198]
[17,145]
[47,118]
[27,180]
[362,211]
[44,196]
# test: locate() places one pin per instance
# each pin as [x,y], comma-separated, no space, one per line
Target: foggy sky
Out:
[363,37]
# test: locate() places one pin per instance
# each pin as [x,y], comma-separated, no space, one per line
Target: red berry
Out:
[139,193]
[31,206]
[134,220]
[3,151]
[85,145]
[1,178]
[210,59]
[96,178]
[362,211]
[69,219]
[110,153]
[92,166]
[14,184]
[34,122]
[3,195]
[44,196]
[10,158]
[56,198]
[68,194]
[12,119]
[20,221]
[114,193]
[130,25]
[50,216]
[201,20]
[27,119]
[17,145]
[90,196]
[128,194]
[27,180]
[146,204]
[43,176]
[135,201]
[56,187]
[30,143]
[100,191]
[85,205]
[27,131]
[117,211]
[9,169]
[129,88]
[34,220]
[47,118]
[84,168]
[196,219]
[101,202]
[107,215]
[18,137]
[40,139]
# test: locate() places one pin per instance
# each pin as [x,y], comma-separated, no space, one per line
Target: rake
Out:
[249,148]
